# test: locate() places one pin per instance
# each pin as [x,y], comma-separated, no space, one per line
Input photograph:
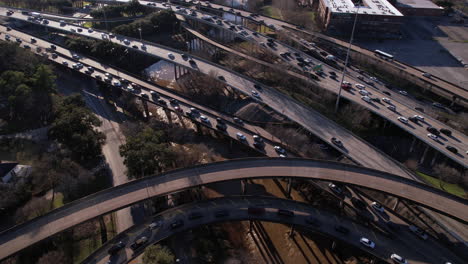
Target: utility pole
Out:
[347,58]
[139,30]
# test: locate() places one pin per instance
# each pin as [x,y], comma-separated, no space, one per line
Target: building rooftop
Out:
[426,4]
[370,7]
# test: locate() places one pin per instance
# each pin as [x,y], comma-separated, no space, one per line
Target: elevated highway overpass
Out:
[112,199]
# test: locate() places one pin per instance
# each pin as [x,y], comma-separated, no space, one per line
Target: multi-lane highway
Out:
[28,233]
[255,208]
[419,129]
[354,147]
[448,89]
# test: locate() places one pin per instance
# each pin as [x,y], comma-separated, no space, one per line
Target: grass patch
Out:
[58,201]
[448,187]
[271,12]
[84,247]
[88,24]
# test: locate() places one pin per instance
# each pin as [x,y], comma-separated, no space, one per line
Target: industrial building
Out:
[419,8]
[375,17]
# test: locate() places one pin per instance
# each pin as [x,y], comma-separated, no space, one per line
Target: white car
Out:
[360,86]
[363,92]
[398,259]
[116,83]
[205,119]
[378,207]
[403,92]
[388,101]
[420,118]
[366,99]
[433,137]
[391,108]
[280,150]
[255,94]
[240,136]
[404,120]
[366,242]
[171,56]
[104,36]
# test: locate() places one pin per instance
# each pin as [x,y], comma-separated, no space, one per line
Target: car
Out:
[283,212]
[116,83]
[403,92]
[446,132]
[418,117]
[154,225]
[154,94]
[111,35]
[135,46]
[398,259]
[238,121]
[336,189]
[8,28]
[375,99]
[240,136]
[126,41]
[391,108]
[62,23]
[220,77]
[337,142]
[144,95]
[174,101]
[366,242]
[378,207]
[143,46]
[419,232]
[29,47]
[170,56]
[279,150]
[257,139]
[18,40]
[360,86]
[75,57]
[258,145]
[65,63]
[176,224]
[366,99]
[427,75]
[90,30]
[438,105]
[387,93]
[341,229]
[33,40]
[161,102]
[139,242]
[433,130]
[256,210]
[98,76]
[195,215]
[386,100]
[419,109]
[220,124]
[433,137]
[452,149]
[404,120]
[116,248]
[413,119]
[255,94]
[205,119]
[363,92]
[194,111]
[221,213]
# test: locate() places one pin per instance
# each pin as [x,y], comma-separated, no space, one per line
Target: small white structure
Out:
[12,170]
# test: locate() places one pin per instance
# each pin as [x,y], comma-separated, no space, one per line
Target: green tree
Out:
[74,127]
[157,254]
[43,79]
[146,153]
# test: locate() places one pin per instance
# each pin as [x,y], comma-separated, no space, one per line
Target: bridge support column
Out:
[145,106]
[244,187]
[434,158]
[396,204]
[412,145]
[288,188]
[291,231]
[175,72]
[424,155]
[250,226]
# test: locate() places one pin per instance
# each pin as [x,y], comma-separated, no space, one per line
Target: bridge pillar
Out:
[288,188]
[424,155]
[244,187]
[396,204]
[434,158]
[145,106]
[175,72]
[250,226]
[291,231]
[412,145]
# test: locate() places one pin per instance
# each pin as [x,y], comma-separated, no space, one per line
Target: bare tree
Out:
[53,257]
[34,208]
[448,174]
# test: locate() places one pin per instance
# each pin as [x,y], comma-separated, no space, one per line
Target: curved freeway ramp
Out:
[254,208]
[112,199]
